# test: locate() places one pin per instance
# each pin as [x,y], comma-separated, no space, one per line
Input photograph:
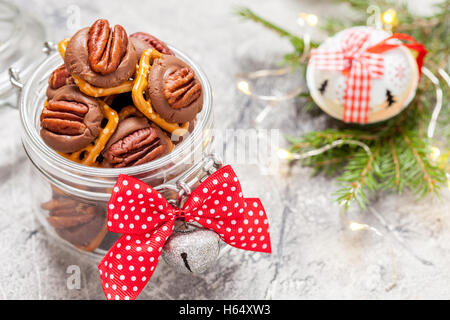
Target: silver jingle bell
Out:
[191,249]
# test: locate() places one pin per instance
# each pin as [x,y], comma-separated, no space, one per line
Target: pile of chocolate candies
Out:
[118,100]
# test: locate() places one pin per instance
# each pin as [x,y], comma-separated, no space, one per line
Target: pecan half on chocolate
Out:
[106,46]
[152,42]
[59,78]
[71,120]
[174,89]
[136,142]
[181,88]
[101,55]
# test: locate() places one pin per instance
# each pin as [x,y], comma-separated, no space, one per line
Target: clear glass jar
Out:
[70,199]
[21,38]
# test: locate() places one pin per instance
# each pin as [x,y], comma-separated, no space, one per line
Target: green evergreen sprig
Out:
[399,147]
[297,42]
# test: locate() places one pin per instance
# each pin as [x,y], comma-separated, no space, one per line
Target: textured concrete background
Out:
[315,255]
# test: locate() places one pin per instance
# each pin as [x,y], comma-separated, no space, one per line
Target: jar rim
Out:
[73,167]
[19,46]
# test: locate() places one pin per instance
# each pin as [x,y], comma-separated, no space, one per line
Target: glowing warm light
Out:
[309,18]
[244,87]
[284,154]
[387,18]
[312,20]
[435,153]
[390,17]
[355,226]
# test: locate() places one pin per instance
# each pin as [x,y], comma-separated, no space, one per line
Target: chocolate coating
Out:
[50,92]
[163,68]
[57,137]
[153,42]
[77,62]
[139,45]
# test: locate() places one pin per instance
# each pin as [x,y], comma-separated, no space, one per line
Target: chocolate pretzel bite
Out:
[174,89]
[101,56]
[71,120]
[90,155]
[144,104]
[82,224]
[135,142]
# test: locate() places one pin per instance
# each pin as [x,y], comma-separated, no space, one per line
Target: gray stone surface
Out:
[315,255]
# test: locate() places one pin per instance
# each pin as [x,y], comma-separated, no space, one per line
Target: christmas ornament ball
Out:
[193,250]
[389,93]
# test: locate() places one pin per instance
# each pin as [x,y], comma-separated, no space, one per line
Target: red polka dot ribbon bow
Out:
[146,221]
[361,63]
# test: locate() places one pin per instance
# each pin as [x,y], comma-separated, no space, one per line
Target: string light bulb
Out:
[434,153]
[356,226]
[389,18]
[309,18]
[284,154]
[244,87]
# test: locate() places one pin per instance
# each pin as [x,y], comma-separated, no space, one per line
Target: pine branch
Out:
[359,175]
[426,175]
[395,161]
[248,14]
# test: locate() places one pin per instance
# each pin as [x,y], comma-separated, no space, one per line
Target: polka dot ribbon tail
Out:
[146,220]
[361,63]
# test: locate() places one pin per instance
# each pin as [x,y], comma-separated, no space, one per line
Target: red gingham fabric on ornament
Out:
[361,65]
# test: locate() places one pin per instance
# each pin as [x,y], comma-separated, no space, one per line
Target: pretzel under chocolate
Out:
[62,46]
[92,151]
[89,89]
[128,111]
[145,106]
[92,91]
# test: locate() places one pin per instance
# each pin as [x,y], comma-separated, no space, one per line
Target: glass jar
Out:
[21,38]
[70,199]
